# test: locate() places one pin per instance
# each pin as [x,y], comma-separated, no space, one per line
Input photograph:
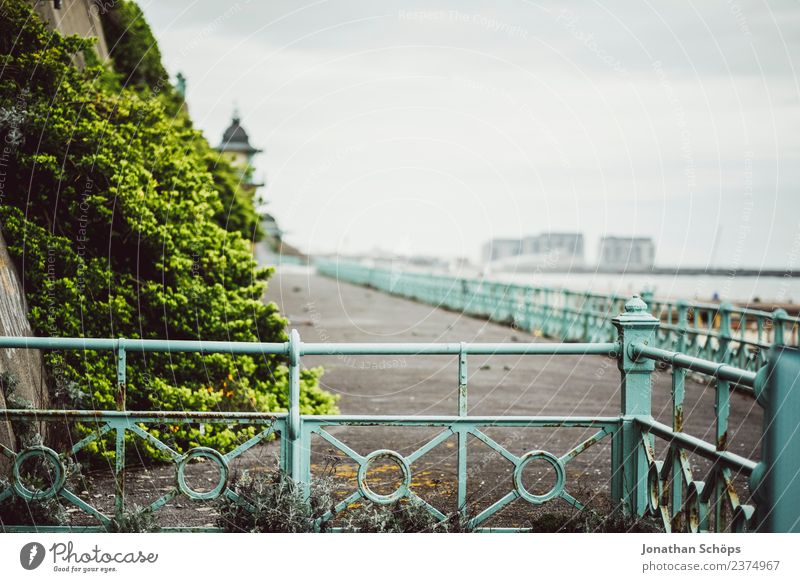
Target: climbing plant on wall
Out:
[114,210]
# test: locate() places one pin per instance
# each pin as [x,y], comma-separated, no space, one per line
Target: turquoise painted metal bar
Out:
[144,345]
[316,349]
[721,371]
[506,421]
[442,349]
[698,446]
[640,482]
[133,417]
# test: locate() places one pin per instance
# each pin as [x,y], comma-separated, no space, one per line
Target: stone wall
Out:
[81,17]
[25,365]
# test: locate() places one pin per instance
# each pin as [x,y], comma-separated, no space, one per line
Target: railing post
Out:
[119,433]
[564,314]
[777,326]
[297,465]
[678,394]
[121,374]
[725,333]
[463,377]
[629,458]
[546,313]
[683,325]
[774,482]
[528,308]
[586,336]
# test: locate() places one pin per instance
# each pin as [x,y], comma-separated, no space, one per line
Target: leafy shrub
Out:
[113,216]
[404,516]
[8,388]
[16,511]
[137,61]
[587,521]
[132,46]
[273,502]
[134,520]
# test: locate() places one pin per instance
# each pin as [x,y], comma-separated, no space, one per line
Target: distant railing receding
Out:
[720,332]
[282,259]
[640,483]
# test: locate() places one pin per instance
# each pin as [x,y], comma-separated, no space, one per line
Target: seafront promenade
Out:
[466,428]
[327,310]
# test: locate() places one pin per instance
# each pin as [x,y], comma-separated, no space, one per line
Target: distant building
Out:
[547,250]
[235,147]
[555,248]
[501,248]
[626,253]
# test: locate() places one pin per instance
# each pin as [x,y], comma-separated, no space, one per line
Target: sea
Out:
[738,289]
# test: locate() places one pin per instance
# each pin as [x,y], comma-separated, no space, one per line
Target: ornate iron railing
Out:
[721,332]
[724,333]
[640,483]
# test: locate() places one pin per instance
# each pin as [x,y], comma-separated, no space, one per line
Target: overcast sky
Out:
[430,127]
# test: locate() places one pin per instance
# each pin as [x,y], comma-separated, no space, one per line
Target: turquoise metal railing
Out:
[281,259]
[640,482]
[720,332]
[668,487]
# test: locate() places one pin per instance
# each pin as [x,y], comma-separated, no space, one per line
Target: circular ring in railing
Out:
[694,508]
[741,520]
[654,486]
[558,468]
[211,455]
[398,493]
[59,473]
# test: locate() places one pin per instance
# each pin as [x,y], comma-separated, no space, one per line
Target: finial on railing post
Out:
[774,481]
[629,459]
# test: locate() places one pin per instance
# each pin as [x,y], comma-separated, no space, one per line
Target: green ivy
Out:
[111,210]
[133,48]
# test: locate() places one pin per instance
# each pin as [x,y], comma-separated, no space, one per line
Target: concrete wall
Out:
[25,365]
[80,17]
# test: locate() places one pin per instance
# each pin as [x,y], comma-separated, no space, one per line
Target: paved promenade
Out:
[323,309]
